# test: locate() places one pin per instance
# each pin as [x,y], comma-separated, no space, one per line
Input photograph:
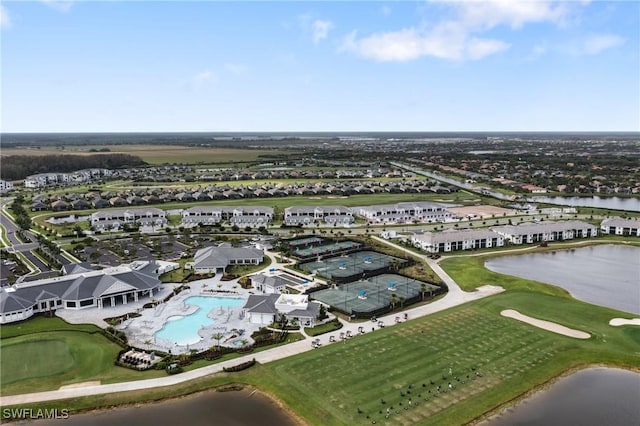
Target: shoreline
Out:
[541,388]
[251,390]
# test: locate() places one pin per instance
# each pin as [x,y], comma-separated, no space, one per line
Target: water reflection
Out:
[607,275]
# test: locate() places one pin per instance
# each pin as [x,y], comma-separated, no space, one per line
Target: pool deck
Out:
[142,330]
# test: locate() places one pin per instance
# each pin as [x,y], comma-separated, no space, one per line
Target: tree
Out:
[322,314]
[218,336]
[148,344]
[394,301]
[423,288]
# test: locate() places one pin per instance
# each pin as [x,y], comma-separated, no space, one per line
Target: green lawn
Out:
[46,353]
[328,385]
[469,271]
[34,359]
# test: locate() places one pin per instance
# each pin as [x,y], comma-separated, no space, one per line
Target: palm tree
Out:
[394,301]
[423,288]
[218,336]
[147,344]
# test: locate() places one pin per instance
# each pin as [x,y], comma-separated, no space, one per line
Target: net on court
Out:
[350,265]
[305,242]
[324,249]
[373,293]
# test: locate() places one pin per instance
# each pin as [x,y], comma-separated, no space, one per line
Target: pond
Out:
[596,396]
[238,408]
[606,275]
[614,203]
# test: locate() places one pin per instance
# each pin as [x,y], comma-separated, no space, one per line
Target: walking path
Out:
[455,296]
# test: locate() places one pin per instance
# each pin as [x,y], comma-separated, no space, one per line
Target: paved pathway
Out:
[455,296]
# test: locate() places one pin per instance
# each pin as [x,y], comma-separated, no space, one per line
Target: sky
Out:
[500,65]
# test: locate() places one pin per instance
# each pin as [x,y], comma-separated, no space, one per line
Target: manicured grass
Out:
[469,271]
[34,359]
[328,385]
[44,354]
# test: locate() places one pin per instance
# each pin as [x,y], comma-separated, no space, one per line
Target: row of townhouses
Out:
[308,215]
[619,226]
[116,218]
[44,180]
[407,212]
[526,233]
[241,216]
[5,186]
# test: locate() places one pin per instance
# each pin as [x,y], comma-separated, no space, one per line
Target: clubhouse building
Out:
[618,226]
[265,309]
[81,288]
[530,233]
[451,240]
[308,215]
[216,259]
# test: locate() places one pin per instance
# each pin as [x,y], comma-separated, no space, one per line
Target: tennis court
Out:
[305,242]
[349,267]
[324,249]
[374,293]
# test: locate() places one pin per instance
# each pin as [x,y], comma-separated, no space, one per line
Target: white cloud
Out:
[59,5]
[5,21]
[321,30]
[595,44]
[457,38]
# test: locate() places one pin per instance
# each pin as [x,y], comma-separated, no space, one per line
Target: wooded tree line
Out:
[20,166]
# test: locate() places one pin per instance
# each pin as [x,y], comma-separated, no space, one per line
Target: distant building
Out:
[46,179]
[117,218]
[5,186]
[528,233]
[254,216]
[216,259]
[619,226]
[80,289]
[404,212]
[308,215]
[451,240]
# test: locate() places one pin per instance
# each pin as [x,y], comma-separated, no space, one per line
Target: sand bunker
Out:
[616,322]
[545,325]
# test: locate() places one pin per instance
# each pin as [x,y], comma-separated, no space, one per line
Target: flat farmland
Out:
[160,154]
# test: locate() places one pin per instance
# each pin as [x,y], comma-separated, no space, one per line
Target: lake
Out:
[606,275]
[614,203]
[591,397]
[235,408]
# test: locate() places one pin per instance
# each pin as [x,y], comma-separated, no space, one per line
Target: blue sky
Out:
[84,66]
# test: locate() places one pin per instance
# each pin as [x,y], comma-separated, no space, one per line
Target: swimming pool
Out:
[183,330]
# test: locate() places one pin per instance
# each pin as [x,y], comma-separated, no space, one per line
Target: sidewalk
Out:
[455,296]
